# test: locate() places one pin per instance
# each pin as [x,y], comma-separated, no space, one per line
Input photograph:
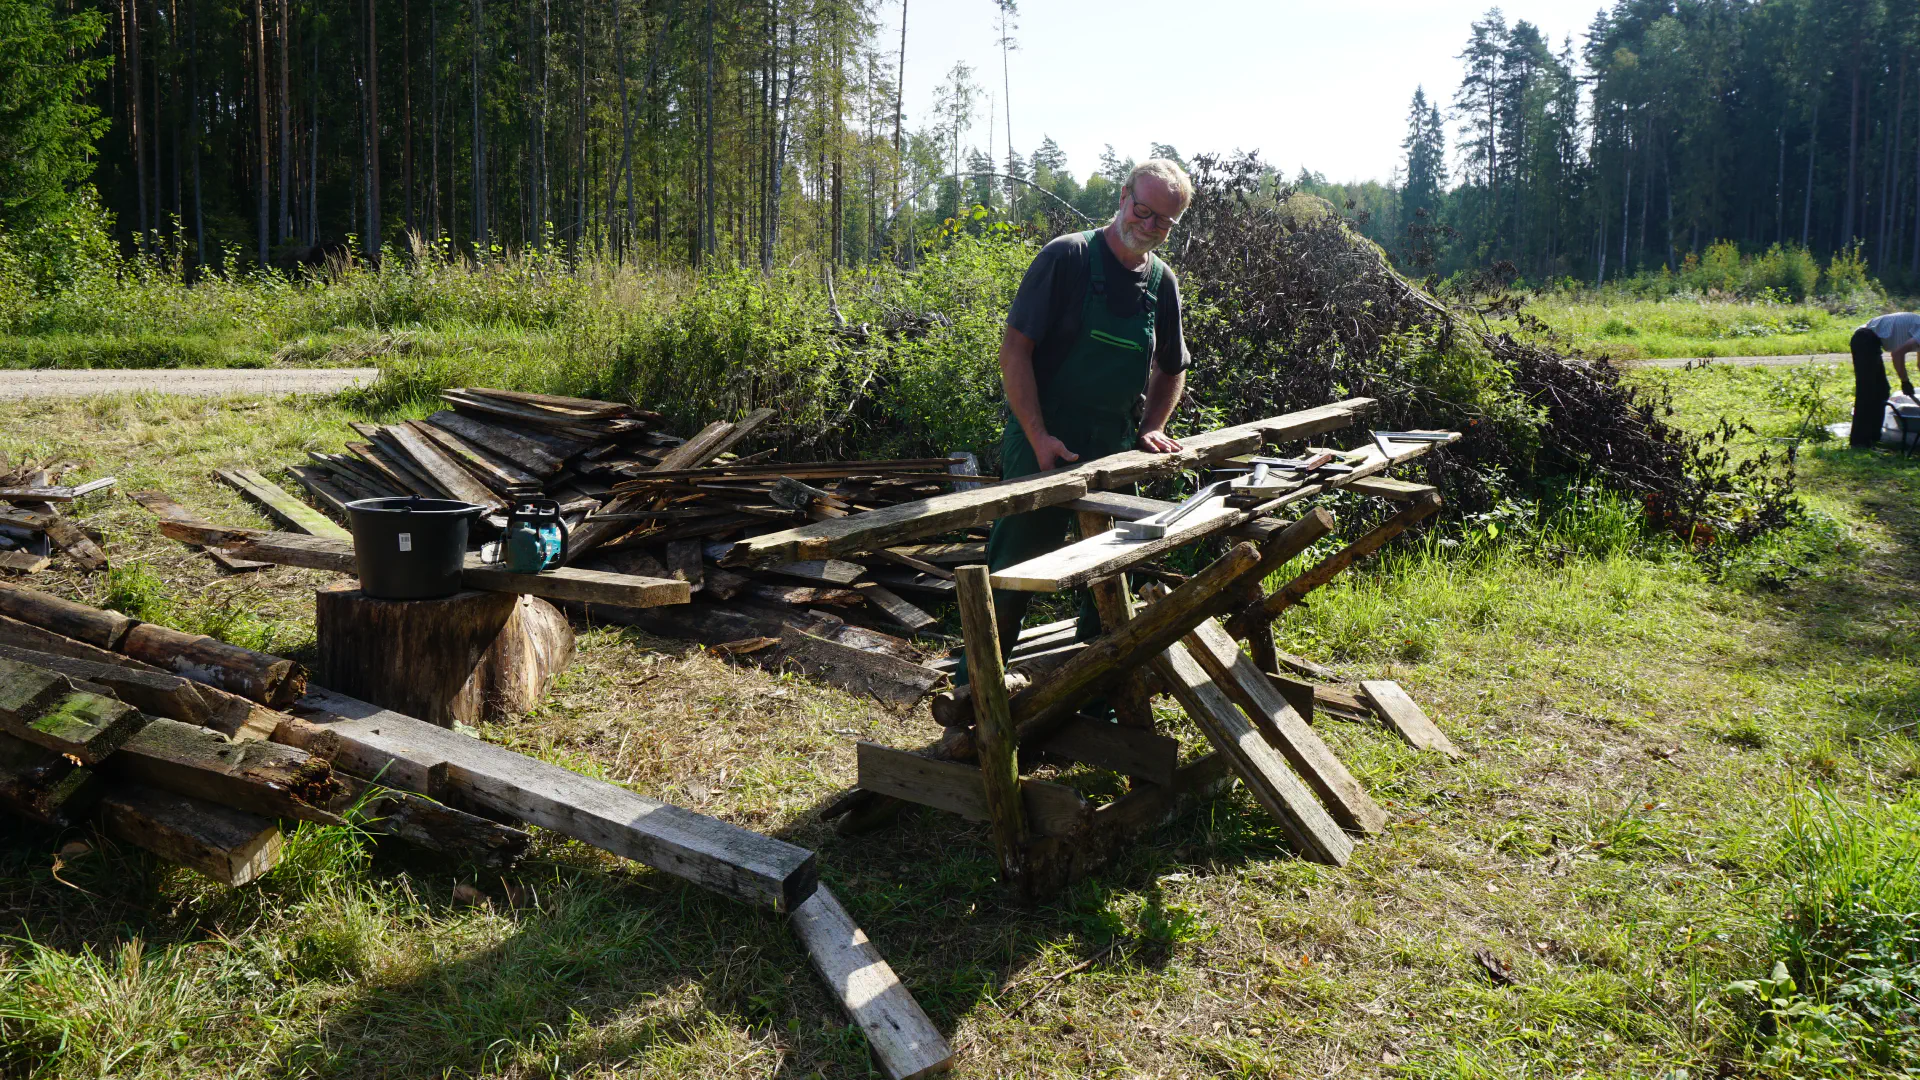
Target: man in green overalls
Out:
[1093,362]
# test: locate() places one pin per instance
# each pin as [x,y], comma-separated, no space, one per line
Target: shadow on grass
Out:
[576,961]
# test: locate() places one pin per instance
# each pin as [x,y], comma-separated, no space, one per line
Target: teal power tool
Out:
[536,538]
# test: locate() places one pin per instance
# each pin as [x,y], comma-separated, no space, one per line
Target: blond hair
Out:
[1168,172]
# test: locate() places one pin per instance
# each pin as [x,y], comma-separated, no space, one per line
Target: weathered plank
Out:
[318,553]
[83,726]
[824,571]
[527,453]
[233,847]
[43,785]
[1111,552]
[957,787]
[497,473]
[1406,718]
[1388,488]
[887,679]
[149,691]
[1283,728]
[261,777]
[895,608]
[445,472]
[297,515]
[425,823]
[889,526]
[161,505]
[1311,831]
[904,1041]
[434,761]
[77,544]
[26,690]
[23,562]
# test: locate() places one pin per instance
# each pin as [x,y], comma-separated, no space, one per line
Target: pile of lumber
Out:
[34,526]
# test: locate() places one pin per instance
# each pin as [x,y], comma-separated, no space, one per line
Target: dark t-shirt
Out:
[1047,307]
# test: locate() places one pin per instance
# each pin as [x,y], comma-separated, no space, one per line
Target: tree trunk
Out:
[260,108]
[470,658]
[1853,155]
[373,133]
[1806,206]
[193,81]
[286,128]
[478,169]
[406,109]
[130,23]
[706,185]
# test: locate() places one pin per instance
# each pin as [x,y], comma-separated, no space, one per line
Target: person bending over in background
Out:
[1093,361]
[1897,333]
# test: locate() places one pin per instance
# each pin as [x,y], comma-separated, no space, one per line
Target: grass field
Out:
[1658,329]
[1680,770]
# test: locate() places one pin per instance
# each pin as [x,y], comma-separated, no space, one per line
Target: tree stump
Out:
[471,657]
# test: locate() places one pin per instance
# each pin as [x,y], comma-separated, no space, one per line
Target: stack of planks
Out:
[34,526]
[141,730]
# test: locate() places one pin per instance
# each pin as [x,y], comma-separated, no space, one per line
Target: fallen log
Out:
[257,676]
[102,629]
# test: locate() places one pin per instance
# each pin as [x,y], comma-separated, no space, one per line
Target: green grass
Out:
[1681,770]
[1656,329]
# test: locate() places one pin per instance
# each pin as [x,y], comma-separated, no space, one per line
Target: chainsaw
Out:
[535,537]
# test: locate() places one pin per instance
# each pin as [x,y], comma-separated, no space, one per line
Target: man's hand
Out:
[1158,442]
[1049,452]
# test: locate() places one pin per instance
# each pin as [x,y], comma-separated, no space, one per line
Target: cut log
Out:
[261,777]
[233,847]
[414,754]
[1400,713]
[162,506]
[892,525]
[256,676]
[1308,827]
[281,505]
[1234,672]
[104,629]
[957,787]
[904,1041]
[42,785]
[470,658]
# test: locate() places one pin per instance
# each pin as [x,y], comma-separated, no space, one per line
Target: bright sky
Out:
[1305,82]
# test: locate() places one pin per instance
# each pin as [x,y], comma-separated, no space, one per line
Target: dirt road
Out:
[1748,361]
[196,381]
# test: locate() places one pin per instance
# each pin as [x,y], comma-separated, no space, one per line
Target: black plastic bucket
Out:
[410,548]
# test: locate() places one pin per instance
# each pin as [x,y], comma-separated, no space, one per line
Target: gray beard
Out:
[1136,241]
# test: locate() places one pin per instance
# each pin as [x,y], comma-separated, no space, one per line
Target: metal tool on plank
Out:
[1157,526]
[1382,438]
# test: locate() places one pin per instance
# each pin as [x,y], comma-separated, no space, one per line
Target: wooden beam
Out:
[425,823]
[497,473]
[1405,717]
[295,514]
[233,847]
[904,1041]
[957,787]
[418,756]
[317,553]
[1388,488]
[896,608]
[993,725]
[149,691]
[79,725]
[44,785]
[77,544]
[161,505]
[1284,729]
[261,777]
[1312,832]
[1111,552]
[824,571]
[892,525]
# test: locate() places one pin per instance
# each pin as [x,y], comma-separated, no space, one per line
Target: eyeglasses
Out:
[1143,212]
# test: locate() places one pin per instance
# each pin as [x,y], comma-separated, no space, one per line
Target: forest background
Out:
[230,133]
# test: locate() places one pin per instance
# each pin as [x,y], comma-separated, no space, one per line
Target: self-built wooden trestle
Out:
[1185,642]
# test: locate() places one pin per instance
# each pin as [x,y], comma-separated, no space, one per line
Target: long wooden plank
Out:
[1389,488]
[897,609]
[1110,552]
[904,1041]
[1405,717]
[957,787]
[297,515]
[825,571]
[400,478]
[161,505]
[77,544]
[1284,729]
[233,847]
[447,473]
[319,553]
[527,453]
[1313,833]
[892,525]
[155,692]
[496,472]
[413,754]
[887,679]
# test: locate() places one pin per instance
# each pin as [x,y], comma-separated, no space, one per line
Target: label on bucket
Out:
[406,541]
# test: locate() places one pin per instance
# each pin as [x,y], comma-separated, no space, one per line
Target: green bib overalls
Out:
[1088,404]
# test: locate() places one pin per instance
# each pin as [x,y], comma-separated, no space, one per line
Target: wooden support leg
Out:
[1253,615]
[1131,703]
[993,723]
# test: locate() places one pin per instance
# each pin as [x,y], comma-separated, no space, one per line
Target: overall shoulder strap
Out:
[1096,266]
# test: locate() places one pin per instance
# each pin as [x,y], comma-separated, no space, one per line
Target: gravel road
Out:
[1749,361]
[197,381]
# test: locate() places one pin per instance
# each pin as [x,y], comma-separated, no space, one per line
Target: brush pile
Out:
[1303,309]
